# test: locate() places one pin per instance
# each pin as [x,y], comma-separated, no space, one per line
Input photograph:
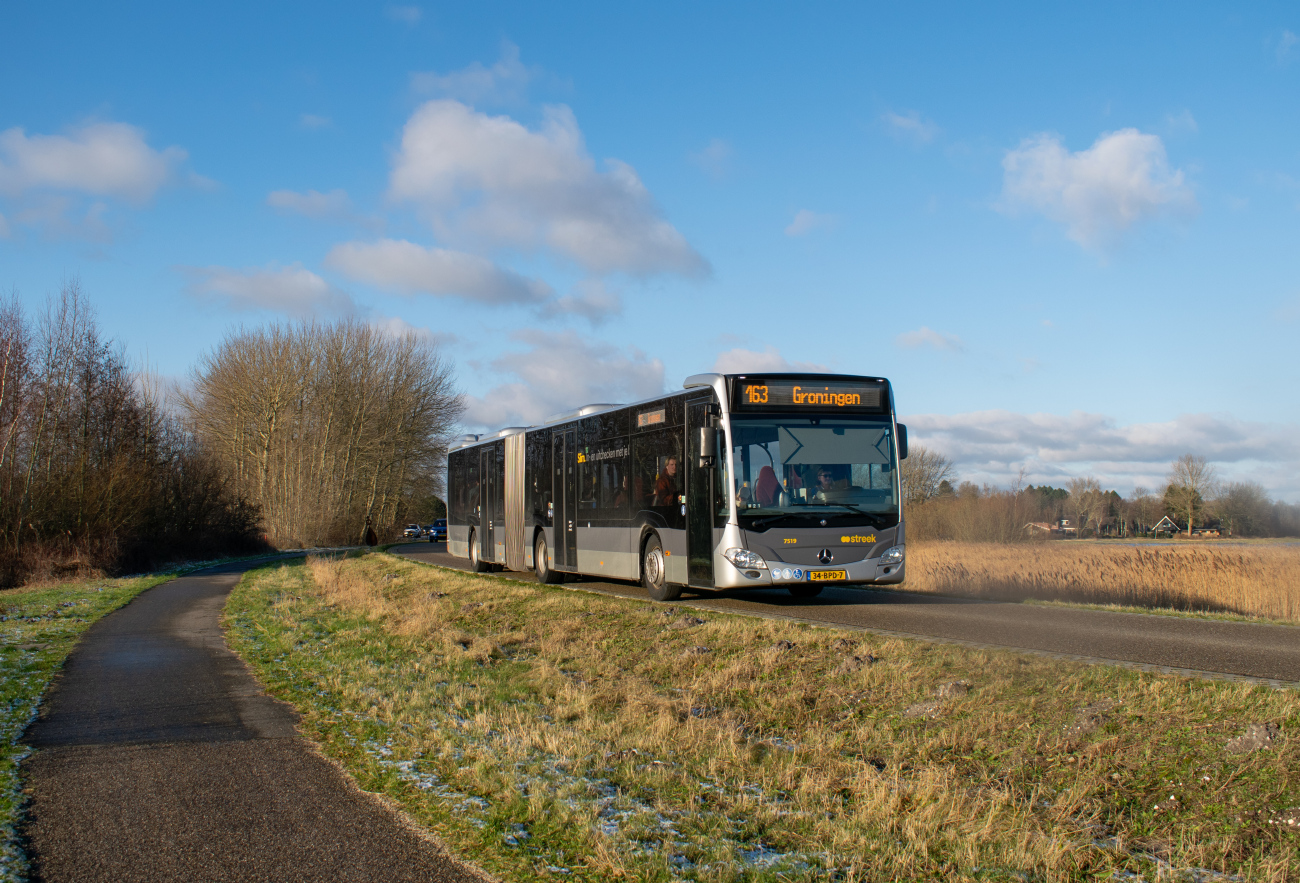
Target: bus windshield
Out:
[791,469]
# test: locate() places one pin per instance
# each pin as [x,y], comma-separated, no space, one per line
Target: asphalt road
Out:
[158,757]
[1199,646]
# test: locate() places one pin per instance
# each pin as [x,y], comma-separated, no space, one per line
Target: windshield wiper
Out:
[875,517]
[762,522]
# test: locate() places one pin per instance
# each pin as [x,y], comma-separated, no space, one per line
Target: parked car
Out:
[413,531]
[437,531]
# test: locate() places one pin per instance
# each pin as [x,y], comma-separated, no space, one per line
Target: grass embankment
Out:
[38,628]
[542,732]
[1252,581]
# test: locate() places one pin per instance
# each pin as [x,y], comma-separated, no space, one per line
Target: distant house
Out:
[1166,525]
[1058,529]
[1206,532]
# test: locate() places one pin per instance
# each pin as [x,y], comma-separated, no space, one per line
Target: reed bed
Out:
[551,734]
[1254,581]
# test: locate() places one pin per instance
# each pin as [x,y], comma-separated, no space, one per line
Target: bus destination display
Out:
[790,395]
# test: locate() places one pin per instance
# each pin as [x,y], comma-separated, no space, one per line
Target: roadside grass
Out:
[1257,581]
[38,628]
[547,734]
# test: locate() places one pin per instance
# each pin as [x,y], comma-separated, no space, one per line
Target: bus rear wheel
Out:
[542,563]
[805,590]
[476,562]
[654,573]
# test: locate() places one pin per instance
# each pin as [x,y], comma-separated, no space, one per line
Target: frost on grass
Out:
[561,731]
[37,629]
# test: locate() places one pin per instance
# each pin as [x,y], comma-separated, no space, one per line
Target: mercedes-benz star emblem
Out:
[825,556]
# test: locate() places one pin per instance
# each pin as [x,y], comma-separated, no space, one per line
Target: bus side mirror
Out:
[902,442]
[708,444]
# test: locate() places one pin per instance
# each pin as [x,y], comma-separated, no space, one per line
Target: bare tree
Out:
[922,473]
[1243,508]
[324,426]
[1144,507]
[92,473]
[1087,502]
[1191,482]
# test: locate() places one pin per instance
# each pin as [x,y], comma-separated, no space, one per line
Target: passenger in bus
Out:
[767,489]
[666,488]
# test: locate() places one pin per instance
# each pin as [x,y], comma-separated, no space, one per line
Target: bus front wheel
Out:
[542,563]
[654,574]
[476,562]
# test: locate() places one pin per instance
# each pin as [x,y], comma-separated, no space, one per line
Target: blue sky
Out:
[1070,238]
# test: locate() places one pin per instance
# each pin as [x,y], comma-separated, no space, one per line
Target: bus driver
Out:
[827,482]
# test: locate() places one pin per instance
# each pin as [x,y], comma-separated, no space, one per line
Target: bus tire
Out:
[805,590]
[476,562]
[542,564]
[654,575]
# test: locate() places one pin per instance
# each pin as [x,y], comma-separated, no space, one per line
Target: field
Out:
[551,734]
[1257,580]
[38,628]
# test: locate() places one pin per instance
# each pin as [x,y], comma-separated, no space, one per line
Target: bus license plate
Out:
[815,575]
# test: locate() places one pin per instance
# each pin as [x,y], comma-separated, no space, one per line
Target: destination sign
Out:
[806,395]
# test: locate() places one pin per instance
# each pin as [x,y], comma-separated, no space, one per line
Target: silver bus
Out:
[736,481]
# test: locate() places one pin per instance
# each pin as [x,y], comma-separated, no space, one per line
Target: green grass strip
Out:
[38,629]
[550,734]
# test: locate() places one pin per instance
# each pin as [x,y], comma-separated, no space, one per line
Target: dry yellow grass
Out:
[1254,580]
[607,731]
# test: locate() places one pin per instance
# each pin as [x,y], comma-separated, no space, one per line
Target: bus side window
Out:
[659,476]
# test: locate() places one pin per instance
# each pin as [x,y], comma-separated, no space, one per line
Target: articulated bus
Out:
[736,481]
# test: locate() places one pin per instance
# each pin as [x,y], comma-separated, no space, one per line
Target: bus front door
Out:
[699,498]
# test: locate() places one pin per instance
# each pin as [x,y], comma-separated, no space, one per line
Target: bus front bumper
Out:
[868,571]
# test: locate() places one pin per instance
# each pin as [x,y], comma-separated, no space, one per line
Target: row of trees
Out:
[325,427]
[1192,495]
[299,434]
[93,471]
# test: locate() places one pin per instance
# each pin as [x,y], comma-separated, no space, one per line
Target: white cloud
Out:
[806,221]
[396,326]
[506,81]
[770,360]
[1182,122]
[407,15]
[993,445]
[925,336]
[910,126]
[592,299]
[559,372]
[1096,193]
[292,290]
[57,216]
[313,203]
[314,121]
[1285,44]
[488,178]
[714,159]
[409,268]
[99,159]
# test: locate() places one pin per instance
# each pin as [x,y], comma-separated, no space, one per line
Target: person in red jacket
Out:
[667,487]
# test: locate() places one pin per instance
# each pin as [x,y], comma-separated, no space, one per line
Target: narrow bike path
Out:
[158,757]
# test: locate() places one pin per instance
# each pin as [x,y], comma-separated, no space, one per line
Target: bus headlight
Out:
[892,556]
[745,559]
